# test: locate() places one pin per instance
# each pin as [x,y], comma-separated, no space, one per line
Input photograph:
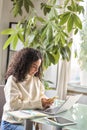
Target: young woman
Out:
[23,89]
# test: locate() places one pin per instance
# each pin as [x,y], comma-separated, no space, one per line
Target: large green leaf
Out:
[62,37]
[70,8]
[44,32]
[15,41]
[77,21]
[49,33]
[76,31]
[74,6]
[46,61]
[56,56]
[51,57]
[17,7]
[46,8]
[26,5]
[64,18]
[80,9]
[66,53]
[20,36]
[10,39]
[70,23]
[41,19]
[8,31]
[31,4]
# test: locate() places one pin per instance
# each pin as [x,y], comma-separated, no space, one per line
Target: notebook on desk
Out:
[64,107]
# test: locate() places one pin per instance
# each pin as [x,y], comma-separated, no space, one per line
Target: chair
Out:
[2,101]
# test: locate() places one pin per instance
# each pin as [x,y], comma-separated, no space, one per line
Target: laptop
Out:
[64,107]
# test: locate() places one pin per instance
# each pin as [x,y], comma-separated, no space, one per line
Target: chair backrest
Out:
[2,100]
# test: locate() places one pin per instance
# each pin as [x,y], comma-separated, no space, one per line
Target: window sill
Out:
[77,88]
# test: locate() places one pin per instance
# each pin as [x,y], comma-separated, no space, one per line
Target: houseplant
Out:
[50,33]
[53,33]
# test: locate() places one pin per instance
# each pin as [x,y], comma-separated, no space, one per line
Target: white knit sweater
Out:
[23,95]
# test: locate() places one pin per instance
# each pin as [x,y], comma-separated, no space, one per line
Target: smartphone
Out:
[63,121]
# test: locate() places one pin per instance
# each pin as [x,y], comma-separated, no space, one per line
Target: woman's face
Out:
[34,67]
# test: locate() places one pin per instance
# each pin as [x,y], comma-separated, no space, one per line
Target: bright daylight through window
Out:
[75,67]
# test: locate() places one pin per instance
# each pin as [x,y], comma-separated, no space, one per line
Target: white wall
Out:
[5,17]
[3,25]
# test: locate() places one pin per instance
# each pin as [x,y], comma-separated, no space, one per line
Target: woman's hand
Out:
[46,102]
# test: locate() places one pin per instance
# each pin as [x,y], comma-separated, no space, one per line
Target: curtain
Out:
[63,78]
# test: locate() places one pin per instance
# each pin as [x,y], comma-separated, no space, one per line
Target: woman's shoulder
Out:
[11,78]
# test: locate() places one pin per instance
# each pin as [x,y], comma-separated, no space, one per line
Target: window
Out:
[75,68]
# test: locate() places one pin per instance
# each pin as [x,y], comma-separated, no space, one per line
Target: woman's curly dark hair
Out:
[21,63]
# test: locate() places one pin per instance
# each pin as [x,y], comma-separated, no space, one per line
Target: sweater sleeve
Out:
[42,91]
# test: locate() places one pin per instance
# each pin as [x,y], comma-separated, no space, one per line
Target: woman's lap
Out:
[8,126]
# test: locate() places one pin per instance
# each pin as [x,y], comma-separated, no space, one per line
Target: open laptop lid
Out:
[69,103]
[65,106]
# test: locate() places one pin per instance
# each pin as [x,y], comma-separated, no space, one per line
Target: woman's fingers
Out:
[48,102]
[52,99]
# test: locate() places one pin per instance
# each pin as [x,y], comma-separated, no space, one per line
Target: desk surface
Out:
[77,113]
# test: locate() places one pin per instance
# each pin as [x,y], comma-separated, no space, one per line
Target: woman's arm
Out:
[15,100]
[44,99]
